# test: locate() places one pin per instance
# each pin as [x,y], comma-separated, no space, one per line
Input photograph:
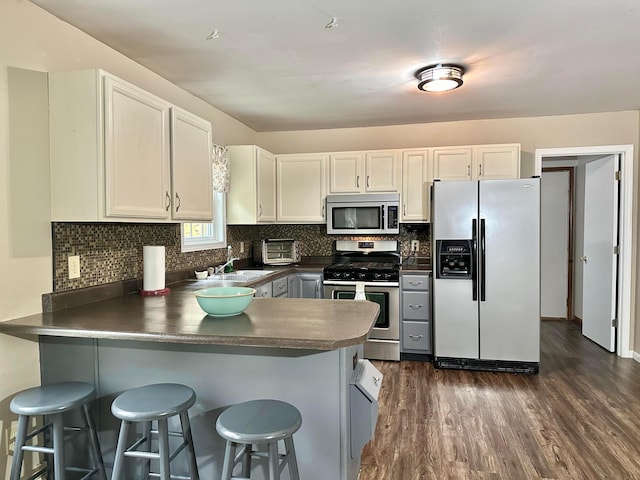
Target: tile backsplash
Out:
[112,252]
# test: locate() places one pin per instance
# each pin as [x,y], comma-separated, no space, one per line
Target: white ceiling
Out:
[274,65]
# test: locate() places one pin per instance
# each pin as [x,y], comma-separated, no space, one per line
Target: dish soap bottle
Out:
[229,267]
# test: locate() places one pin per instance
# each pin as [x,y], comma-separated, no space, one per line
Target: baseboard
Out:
[577,321]
[636,356]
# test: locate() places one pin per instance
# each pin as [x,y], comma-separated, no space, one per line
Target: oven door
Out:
[385,294]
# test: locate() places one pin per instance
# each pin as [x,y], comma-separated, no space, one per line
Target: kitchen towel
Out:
[360,295]
[153,258]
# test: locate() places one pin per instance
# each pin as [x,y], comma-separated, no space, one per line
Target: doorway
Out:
[622,278]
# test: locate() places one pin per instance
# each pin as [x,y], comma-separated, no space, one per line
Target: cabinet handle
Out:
[480,170]
[322,211]
[177,202]
[317,288]
[367,181]
[404,209]
[168,202]
[357,181]
[416,337]
[414,283]
[259,210]
[468,170]
[280,287]
[415,306]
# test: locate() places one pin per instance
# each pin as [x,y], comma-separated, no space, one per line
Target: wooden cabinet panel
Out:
[452,163]
[346,171]
[191,174]
[498,161]
[301,188]
[382,171]
[417,177]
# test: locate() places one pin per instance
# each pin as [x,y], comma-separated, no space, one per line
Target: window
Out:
[205,236]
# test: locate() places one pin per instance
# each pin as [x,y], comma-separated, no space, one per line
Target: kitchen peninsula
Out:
[301,351]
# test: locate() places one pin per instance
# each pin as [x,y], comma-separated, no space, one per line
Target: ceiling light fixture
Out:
[440,78]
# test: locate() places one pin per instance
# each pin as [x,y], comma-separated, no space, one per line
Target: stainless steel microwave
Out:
[368,214]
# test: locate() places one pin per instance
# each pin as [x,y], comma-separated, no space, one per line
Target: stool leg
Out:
[291,458]
[190,451]
[229,455]
[246,461]
[118,461]
[163,444]
[274,462]
[18,453]
[58,447]
[94,444]
[146,463]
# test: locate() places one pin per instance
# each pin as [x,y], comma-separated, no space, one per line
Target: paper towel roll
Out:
[153,260]
[360,295]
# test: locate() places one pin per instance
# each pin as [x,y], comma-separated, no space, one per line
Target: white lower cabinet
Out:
[415,314]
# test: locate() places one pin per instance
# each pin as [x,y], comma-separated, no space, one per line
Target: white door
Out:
[554,243]
[600,262]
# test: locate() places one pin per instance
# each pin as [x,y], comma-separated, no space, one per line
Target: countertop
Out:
[294,323]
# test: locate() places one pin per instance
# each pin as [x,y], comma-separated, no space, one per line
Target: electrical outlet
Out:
[74,266]
[241,247]
[415,245]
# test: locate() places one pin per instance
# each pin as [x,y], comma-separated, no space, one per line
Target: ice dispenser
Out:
[455,259]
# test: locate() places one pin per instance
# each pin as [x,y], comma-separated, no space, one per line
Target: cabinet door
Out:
[382,171]
[497,161]
[310,285]
[417,177]
[346,172]
[279,287]
[191,167]
[264,291]
[301,188]
[452,163]
[266,188]
[136,149]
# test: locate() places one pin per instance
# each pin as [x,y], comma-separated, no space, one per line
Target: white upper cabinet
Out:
[498,161]
[363,172]
[111,157]
[191,171]
[480,162]
[346,172]
[417,177]
[301,188]
[252,185]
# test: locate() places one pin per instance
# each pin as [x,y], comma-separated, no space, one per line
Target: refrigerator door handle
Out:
[474,254]
[483,275]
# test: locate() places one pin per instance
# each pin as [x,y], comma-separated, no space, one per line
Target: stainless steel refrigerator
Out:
[486,282]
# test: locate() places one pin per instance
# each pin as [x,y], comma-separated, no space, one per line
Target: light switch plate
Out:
[415,245]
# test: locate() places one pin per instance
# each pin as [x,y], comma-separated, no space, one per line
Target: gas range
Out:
[365,261]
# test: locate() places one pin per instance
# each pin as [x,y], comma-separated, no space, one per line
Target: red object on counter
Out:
[154,293]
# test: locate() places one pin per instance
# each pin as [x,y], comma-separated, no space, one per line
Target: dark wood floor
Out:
[578,419]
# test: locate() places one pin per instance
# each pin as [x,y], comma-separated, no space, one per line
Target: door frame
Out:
[625,251]
[571,171]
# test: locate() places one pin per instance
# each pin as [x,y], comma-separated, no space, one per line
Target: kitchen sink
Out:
[241,275]
[211,282]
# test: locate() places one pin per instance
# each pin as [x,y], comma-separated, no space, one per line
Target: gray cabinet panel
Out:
[415,305]
[416,337]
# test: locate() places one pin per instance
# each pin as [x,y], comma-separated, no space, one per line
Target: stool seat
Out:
[153,402]
[144,406]
[258,421]
[55,398]
[51,402]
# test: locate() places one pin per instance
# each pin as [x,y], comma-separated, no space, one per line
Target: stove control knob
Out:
[377,276]
[362,275]
[387,276]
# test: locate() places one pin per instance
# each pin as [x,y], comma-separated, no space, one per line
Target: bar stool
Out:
[259,422]
[52,401]
[154,403]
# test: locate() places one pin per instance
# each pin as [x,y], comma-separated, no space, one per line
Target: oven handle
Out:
[366,284]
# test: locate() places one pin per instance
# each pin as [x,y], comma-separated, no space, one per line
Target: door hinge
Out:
[616,250]
[618,175]
[614,322]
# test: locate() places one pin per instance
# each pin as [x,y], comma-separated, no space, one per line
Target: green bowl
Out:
[224,301]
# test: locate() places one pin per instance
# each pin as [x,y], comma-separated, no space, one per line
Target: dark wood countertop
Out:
[177,318]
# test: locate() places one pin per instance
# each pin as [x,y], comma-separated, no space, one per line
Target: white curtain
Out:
[220,163]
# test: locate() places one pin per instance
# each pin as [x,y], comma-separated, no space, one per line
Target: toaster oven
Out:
[276,251]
